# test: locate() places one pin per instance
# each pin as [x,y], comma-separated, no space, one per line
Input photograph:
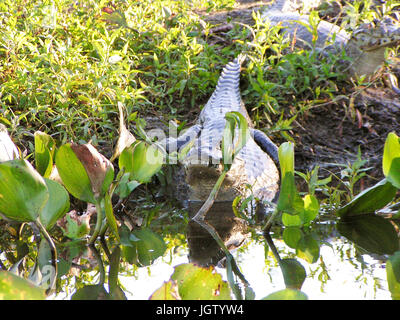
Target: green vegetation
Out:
[68,68]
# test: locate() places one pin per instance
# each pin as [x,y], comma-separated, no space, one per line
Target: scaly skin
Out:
[202,165]
[366,45]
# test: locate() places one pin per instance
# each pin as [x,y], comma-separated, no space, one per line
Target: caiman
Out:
[254,170]
[365,46]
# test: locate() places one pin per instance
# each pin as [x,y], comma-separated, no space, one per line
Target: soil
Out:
[332,133]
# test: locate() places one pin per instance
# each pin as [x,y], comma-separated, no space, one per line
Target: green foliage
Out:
[45,147]
[369,200]
[391,159]
[73,174]
[141,160]
[293,272]
[286,294]
[393,275]
[13,287]
[23,192]
[190,282]
[142,246]
[370,232]
[74,229]
[56,206]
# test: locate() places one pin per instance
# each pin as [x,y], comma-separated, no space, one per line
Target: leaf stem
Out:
[53,254]
[99,222]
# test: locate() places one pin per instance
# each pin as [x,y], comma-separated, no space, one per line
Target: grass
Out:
[65,64]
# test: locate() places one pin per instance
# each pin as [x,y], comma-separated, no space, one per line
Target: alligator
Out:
[365,46]
[254,170]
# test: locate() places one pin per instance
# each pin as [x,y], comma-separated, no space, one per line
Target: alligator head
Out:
[367,45]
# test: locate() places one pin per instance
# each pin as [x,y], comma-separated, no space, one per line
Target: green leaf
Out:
[370,200]
[293,272]
[286,294]
[393,275]
[56,206]
[77,227]
[112,223]
[145,250]
[391,159]
[371,233]
[23,192]
[289,199]
[229,148]
[141,161]
[308,249]
[45,147]
[290,220]
[168,291]
[197,283]
[92,292]
[311,208]
[291,236]
[13,287]
[73,174]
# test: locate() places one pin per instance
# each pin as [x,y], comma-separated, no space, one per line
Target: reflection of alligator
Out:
[253,170]
[203,249]
[366,46]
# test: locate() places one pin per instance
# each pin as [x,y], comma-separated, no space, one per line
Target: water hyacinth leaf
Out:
[8,150]
[23,192]
[227,142]
[231,143]
[98,168]
[75,226]
[290,220]
[45,147]
[289,199]
[370,200]
[308,249]
[144,247]
[168,291]
[56,206]
[147,161]
[293,273]
[286,294]
[125,187]
[391,151]
[92,292]
[197,283]
[370,232]
[311,208]
[73,174]
[291,236]
[393,275]
[125,160]
[13,287]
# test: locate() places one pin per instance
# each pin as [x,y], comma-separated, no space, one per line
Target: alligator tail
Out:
[229,79]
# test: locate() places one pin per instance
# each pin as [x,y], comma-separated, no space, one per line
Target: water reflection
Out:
[344,270]
[203,249]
